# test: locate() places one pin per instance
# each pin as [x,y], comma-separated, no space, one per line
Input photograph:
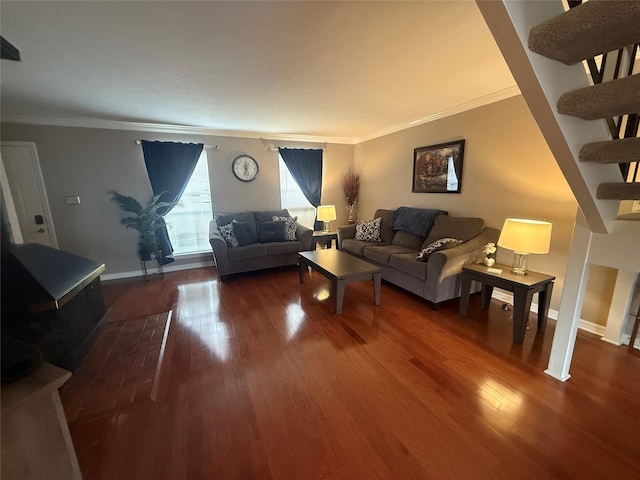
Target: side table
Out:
[522,286]
[324,237]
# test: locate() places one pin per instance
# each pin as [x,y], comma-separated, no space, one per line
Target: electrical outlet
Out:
[72,200]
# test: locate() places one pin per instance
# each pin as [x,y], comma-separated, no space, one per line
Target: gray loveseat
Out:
[438,278]
[260,242]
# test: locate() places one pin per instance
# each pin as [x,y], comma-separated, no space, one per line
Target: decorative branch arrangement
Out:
[351,186]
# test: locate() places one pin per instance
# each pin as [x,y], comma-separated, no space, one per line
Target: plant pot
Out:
[489,262]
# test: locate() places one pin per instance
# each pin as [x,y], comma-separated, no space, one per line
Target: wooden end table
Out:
[522,286]
[341,268]
[324,237]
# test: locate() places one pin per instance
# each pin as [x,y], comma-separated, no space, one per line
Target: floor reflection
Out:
[295,317]
[500,405]
[199,311]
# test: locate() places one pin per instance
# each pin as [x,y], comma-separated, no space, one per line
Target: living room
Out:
[508,171]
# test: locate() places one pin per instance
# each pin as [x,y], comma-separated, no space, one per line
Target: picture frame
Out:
[438,168]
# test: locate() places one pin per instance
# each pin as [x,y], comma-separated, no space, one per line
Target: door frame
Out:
[42,191]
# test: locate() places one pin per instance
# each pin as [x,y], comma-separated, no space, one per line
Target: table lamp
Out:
[524,237]
[326,214]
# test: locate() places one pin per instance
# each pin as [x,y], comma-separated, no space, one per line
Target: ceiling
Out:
[333,71]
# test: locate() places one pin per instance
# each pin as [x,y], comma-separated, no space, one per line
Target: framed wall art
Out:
[438,168]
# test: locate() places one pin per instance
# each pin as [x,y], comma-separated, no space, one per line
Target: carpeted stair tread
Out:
[605,100]
[618,191]
[625,150]
[593,28]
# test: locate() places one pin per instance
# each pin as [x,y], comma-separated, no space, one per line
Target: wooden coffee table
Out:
[341,268]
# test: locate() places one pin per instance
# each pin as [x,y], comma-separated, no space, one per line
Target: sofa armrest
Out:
[344,232]
[219,247]
[304,235]
[449,262]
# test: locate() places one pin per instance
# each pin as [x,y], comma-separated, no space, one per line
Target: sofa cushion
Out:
[408,240]
[244,233]
[225,218]
[407,263]
[368,230]
[440,244]
[249,251]
[267,215]
[462,228]
[386,232]
[279,248]
[290,225]
[271,232]
[357,246]
[229,235]
[382,254]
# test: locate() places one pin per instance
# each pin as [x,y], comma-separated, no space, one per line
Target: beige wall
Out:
[89,162]
[508,171]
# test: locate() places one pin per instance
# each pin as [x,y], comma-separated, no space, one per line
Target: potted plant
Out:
[146,220]
[351,188]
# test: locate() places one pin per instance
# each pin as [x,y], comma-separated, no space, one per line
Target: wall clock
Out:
[245,168]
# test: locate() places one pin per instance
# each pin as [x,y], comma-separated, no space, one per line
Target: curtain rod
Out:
[215,147]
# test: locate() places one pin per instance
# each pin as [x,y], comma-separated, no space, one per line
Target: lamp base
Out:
[325,225]
[519,265]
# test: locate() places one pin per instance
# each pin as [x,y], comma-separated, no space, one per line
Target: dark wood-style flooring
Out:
[260,380]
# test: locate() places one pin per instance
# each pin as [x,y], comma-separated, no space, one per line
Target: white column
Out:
[575,282]
[620,305]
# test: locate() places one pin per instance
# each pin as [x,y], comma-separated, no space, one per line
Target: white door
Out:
[22,167]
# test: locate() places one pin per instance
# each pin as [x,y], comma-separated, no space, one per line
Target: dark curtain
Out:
[306,169]
[169,165]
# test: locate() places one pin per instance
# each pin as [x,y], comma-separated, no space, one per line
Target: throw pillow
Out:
[441,244]
[368,230]
[229,235]
[244,233]
[272,232]
[291,223]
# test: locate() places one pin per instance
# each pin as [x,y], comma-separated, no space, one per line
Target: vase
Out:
[489,261]
[351,213]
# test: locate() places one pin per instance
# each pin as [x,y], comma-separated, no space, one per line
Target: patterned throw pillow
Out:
[290,225]
[229,235]
[441,244]
[369,230]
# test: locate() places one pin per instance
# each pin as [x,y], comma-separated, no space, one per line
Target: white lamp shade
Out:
[525,236]
[326,213]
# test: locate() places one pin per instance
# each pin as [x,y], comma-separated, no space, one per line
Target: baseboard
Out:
[583,325]
[166,268]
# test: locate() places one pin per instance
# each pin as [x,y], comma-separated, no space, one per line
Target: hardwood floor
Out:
[261,381]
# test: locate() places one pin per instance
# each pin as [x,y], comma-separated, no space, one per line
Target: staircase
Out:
[590,30]
[589,122]
[588,115]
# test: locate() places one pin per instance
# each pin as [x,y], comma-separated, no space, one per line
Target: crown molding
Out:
[447,112]
[191,130]
[165,128]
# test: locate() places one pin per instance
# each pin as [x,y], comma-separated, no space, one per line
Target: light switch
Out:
[72,200]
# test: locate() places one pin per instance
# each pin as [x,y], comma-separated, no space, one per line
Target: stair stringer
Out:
[542,82]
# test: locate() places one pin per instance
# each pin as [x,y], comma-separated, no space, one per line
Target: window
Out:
[188,222]
[292,198]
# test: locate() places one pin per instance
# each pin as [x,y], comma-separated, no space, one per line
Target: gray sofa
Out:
[255,255]
[437,279]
